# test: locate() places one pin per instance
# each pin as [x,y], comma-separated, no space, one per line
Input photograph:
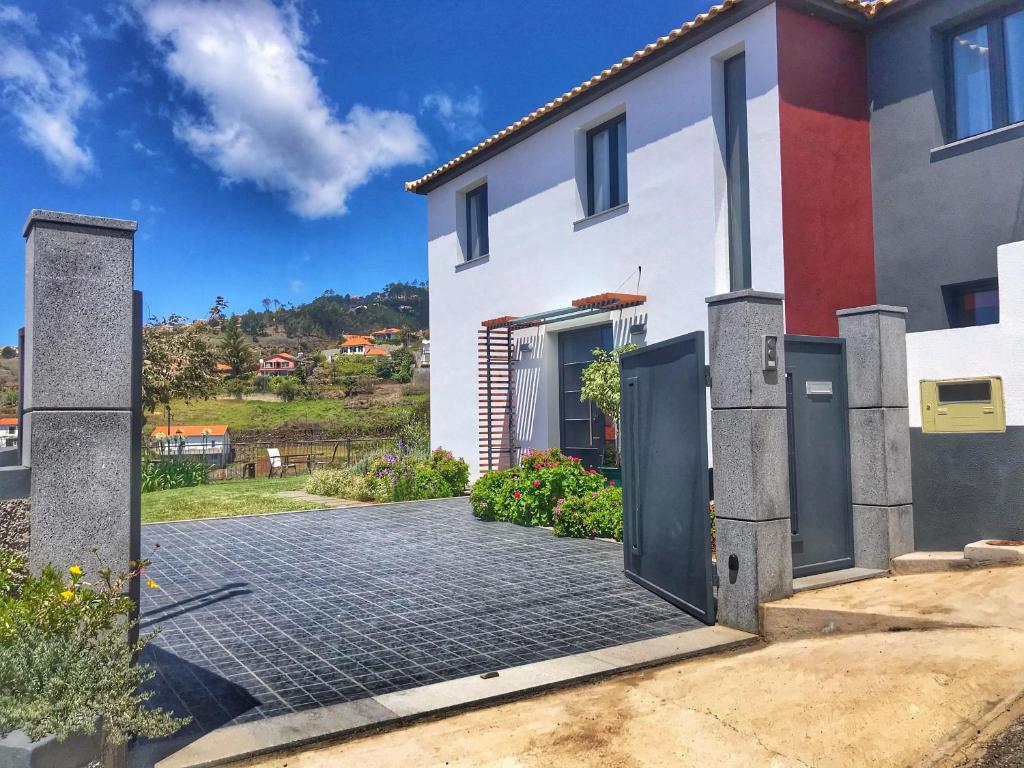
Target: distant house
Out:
[281,364]
[386,334]
[425,354]
[376,352]
[222,369]
[8,433]
[330,353]
[205,442]
[355,345]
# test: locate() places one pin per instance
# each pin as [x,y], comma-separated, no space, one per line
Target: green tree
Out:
[402,363]
[253,324]
[601,385]
[233,348]
[217,312]
[177,363]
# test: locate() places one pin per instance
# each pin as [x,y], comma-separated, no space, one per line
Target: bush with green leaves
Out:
[173,472]
[528,494]
[454,471]
[340,483]
[597,515]
[431,484]
[66,663]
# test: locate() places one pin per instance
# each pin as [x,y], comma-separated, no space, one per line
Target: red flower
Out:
[536,483]
[611,483]
[517,495]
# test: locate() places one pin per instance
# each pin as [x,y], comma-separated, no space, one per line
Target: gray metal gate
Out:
[819,454]
[667,536]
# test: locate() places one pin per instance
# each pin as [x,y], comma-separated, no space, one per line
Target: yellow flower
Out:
[152,584]
[75,570]
[67,594]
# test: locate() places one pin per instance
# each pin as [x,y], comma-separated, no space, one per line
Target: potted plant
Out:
[601,387]
[70,686]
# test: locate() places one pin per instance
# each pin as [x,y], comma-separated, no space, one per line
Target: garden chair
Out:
[276,463]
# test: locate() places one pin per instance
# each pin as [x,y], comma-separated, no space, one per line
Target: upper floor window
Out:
[606,165]
[975,303]
[476,223]
[987,66]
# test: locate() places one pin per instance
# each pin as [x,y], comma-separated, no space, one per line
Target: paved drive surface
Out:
[267,615]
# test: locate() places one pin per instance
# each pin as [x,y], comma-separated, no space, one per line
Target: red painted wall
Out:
[828,242]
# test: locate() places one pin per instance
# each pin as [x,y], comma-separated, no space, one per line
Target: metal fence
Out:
[253,460]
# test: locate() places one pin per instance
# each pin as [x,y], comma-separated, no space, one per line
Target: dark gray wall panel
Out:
[967,487]
[938,216]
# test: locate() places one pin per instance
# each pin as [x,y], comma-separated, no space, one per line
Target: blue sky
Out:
[262,145]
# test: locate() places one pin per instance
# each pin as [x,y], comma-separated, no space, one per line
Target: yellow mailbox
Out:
[963,405]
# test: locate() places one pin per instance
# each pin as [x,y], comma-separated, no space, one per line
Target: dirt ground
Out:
[889,699]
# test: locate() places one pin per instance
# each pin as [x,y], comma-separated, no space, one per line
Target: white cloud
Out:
[264,117]
[460,118]
[136,204]
[46,91]
[297,286]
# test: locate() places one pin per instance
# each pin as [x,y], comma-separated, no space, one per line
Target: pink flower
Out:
[611,483]
[536,483]
[517,495]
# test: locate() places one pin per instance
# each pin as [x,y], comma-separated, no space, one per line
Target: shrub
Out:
[482,496]
[340,483]
[594,515]
[455,472]
[392,477]
[171,472]
[431,484]
[65,660]
[528,494]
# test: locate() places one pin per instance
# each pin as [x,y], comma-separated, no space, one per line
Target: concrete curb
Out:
[236,742]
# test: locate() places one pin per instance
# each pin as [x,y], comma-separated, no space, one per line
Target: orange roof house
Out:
[376,352]
[192,430]
[6,422]
[356,341]
[386,334]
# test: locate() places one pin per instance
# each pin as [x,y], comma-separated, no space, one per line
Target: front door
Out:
[582,423]
[666,528]
[819,455]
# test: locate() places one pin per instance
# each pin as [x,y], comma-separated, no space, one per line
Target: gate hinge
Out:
[707,376]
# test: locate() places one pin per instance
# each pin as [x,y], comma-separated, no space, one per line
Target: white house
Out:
[8,432]
[210,443]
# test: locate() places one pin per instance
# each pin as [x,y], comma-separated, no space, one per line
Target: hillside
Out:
[283,327]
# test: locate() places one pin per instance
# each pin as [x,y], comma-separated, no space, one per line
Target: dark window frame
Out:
[998,80]
[613,165]
[479,191]
[737,171]
[953,294]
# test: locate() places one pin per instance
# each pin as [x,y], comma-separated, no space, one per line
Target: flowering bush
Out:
[528,494]
[594,515]
[454,471]
[341,483]
[66,665]
[392,477]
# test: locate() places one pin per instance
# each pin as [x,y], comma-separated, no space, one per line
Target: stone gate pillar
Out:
[750,453]
[81,434]
[876,372]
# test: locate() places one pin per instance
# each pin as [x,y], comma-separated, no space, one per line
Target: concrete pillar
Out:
[876,371]
[80,390]
[750,455]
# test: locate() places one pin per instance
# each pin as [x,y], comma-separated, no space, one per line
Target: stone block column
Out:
[876,372]
[80,390]
[750,455]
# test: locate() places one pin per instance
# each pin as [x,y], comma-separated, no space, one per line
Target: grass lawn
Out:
[224,499]
[338,418]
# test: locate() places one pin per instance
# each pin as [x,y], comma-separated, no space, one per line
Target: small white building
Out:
[209,443]
[8,433]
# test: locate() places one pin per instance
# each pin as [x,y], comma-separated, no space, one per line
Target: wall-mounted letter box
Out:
[963,405]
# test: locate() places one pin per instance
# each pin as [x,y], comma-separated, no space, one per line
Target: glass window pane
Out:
[476,223]
[1013,41]
[620,129]
[601,172]
[972,82]
[966,392]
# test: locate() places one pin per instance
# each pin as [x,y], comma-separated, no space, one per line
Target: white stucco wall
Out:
[674,227]
[984,350]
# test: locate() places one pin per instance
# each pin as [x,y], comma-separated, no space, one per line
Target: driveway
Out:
[262,616]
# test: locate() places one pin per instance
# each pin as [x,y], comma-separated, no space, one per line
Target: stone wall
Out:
[14,524]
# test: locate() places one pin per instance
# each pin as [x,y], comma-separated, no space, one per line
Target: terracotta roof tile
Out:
[191,430]
[867,7]
[5,422]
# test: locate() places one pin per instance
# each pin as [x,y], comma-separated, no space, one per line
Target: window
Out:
[975,303]
[476,223]
[606,165]
[737,172]
[987,67]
